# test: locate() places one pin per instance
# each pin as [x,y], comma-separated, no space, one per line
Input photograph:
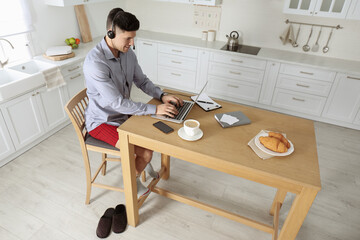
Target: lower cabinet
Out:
[6,145]
[23,119]
[344,99]
[52,102]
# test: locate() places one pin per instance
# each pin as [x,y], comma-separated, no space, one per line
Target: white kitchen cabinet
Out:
[344,100]
[322,8]
[268,86]
[147,57]
[177,66]
[53,102]
[74,78]
[23,119]
[64,3]
[354,10]
[6,145]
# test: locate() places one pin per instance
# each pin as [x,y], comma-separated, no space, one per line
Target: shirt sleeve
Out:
[108,96]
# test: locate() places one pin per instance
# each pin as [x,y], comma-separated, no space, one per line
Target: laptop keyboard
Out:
[183,110]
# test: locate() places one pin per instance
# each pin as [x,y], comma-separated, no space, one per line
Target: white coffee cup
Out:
[191,127]
[211,35]
[204,35]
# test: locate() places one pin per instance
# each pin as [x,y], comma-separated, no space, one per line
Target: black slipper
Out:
[119,222]
[104,225]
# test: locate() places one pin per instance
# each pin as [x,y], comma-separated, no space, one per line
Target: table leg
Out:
[129,178]
[165,161]
[297,214]
[279,197]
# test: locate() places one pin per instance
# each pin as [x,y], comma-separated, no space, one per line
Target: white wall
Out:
[260,21]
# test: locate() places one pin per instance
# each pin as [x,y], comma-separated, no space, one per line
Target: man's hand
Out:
[166,109]
[172,100]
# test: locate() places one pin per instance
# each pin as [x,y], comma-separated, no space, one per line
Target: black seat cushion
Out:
[89,140]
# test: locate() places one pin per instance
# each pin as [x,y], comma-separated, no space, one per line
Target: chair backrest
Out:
[75,109]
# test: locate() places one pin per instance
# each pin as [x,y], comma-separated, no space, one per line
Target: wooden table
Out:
[226,150]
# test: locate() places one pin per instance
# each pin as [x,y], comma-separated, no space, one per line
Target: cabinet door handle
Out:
[76,76]
[176,62]
[308,73]
[233,86]
[298,99]
[238,61]
[237,73]
[149,44]
[70,70]
[176,74]
[355,78]
[301,85]
[178,51]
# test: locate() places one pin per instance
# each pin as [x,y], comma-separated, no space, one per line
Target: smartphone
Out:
[163,127]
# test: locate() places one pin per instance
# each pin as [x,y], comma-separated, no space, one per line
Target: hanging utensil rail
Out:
[312,24]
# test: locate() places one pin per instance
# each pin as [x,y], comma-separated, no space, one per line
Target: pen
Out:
[205,102]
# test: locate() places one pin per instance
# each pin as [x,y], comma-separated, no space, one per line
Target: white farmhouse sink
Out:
[32,67]
[14,83]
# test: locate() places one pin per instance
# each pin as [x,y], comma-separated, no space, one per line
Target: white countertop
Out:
[333,64]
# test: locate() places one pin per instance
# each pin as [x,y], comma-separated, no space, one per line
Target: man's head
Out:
[121,29]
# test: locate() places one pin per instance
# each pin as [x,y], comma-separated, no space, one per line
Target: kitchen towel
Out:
[53,78]
[288,35]
[257,150]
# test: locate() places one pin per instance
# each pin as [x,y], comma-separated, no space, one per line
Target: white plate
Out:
[268,151]
[183,135]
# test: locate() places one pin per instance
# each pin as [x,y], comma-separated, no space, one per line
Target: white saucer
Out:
[186,137]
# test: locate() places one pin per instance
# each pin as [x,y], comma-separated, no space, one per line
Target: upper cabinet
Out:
[64,3]
[322,8]
[354,10]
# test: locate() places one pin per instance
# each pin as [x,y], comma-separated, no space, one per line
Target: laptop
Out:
[183,110]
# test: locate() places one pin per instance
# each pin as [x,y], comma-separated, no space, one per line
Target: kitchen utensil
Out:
[59,57]
[315,48]
[295,44]
[233,40]
[326,48]
[306,47]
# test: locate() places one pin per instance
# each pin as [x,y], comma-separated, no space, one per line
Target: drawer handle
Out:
[149,44]
[70,70]
[176,74]
[178,51]
[176,62]
[308,73]
[298,99]
[76,76]
[238,61]
[355,78]
[233,86]
[237,73]
[301,85]
[34,94]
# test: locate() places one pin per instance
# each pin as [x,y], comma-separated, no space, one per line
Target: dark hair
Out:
[123,20]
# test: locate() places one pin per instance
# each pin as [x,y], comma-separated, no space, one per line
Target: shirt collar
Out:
[107,51]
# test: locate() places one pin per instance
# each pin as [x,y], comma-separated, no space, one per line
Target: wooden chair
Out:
[75,108]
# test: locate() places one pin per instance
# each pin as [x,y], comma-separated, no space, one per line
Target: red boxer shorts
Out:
[106,133]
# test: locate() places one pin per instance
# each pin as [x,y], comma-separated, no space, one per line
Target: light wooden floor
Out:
[42,195]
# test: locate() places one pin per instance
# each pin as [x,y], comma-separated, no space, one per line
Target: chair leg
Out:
[143,176]
[88,175]
[103,171]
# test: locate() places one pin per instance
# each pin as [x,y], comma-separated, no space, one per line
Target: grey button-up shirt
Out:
[109,81]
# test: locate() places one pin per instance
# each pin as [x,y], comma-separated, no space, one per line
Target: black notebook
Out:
[232,119]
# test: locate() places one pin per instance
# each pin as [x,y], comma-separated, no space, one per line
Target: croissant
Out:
[274,144]
[280,137]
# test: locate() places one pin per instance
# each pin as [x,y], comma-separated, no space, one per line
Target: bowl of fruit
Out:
[73,42]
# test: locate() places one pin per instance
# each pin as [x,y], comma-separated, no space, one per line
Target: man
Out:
[110,69]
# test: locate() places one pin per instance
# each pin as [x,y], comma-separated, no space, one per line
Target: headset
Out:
[111,33]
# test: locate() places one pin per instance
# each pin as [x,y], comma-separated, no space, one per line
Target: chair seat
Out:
[89,140]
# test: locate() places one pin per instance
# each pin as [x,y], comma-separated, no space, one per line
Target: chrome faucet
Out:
[2,64]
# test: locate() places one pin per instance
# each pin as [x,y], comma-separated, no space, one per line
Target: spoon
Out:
[326,48]
[295,44]
[306,47]
[315,48]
